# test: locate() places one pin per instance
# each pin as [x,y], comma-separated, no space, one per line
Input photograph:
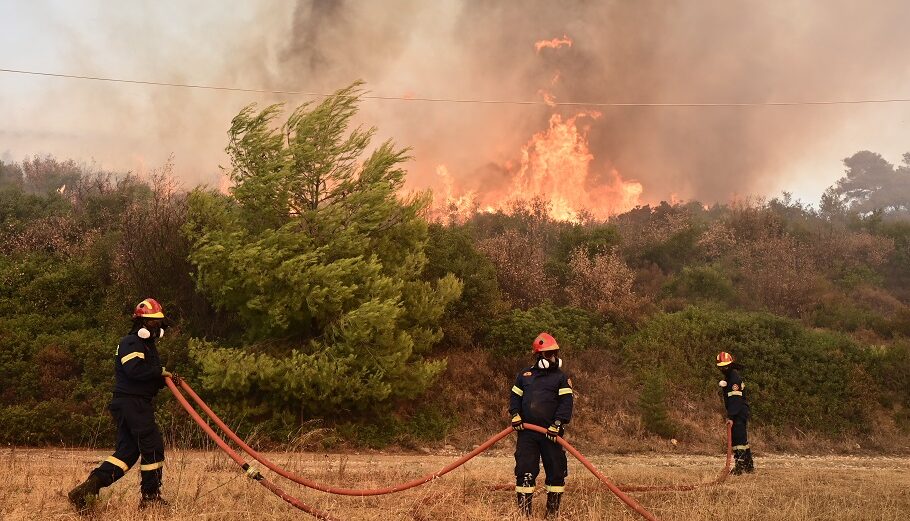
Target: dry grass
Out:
[206,485]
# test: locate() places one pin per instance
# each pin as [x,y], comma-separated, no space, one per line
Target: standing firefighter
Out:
[732,391]
[542,395]
[139,375]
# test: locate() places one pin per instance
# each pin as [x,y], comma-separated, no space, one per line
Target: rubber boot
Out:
[739,463]
[152,500]
[748,464]
[524,503]
[85,493]
[553,499]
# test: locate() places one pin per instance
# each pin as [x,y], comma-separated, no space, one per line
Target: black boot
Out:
[85,493]
[553,499]
[152,500]
[739,463]
[748,464]
[524,503]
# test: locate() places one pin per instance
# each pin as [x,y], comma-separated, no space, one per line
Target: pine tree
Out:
[653,405]
[321,261]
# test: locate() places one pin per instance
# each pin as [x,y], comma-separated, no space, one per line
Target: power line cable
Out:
[468,100]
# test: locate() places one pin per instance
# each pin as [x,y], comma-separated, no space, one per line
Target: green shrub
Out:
[701,283]
[573,328]
[425,425]
[796,377]
[652,402]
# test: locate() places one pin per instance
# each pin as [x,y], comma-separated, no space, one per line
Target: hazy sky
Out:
[648,51]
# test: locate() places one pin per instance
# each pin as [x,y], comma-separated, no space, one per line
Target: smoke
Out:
[642,51]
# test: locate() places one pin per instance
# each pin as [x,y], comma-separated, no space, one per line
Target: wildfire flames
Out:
[554,167]
[555,43]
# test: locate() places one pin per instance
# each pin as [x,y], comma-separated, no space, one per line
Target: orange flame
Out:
[548,97]
[555,168]
[555,43]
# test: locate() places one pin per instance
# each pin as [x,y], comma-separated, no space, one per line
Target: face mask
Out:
[543,363]
[145,334]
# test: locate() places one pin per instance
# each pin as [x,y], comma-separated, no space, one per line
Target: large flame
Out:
[555,167]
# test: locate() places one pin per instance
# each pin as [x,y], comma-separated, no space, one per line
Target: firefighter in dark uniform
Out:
[732,391]
[139,375]
[542,395]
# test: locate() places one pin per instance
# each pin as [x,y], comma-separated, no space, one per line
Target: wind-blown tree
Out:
[321,262]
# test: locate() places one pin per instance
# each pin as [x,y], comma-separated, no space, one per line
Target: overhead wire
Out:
[742,104]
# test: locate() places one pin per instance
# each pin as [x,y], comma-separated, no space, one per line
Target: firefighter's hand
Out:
[554,430]
[165,373]
[517,423]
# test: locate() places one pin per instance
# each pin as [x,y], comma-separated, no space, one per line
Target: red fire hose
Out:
[339,490]
[724,472]
[396,488]
[250,471]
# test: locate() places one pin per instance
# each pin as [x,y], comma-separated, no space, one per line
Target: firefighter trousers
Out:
[138,437]
[740,437]
[532,447]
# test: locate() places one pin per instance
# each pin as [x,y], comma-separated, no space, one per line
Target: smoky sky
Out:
[643,51]
[623,51]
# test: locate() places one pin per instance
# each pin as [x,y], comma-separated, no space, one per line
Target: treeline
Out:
[314,292]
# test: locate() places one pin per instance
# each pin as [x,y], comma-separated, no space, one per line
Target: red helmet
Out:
[724,358]
[148,308]
[545,342]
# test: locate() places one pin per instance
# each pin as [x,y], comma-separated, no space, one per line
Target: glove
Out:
[554,430]
[517,422]
[176,379]
[165,373]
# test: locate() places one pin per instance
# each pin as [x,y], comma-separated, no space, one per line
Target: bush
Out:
[701,283]
[451,250]
[425,425]
[796,377]
[652,402]
[573,328]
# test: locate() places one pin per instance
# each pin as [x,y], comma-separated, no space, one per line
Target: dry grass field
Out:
[208,486]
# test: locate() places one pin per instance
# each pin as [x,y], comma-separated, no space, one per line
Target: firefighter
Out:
[542,395]
[733,394]
[139,375]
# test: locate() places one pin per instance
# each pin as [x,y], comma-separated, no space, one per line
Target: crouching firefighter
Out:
[542,395]
[733,394]
[139,375]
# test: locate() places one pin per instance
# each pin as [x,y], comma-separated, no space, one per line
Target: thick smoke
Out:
[622,51]
[643,51]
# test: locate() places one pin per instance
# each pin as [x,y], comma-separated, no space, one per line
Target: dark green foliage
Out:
[321,262]
[701,283]
[314,294]
[652,402]
[451,250]
[795,376]
[574,329]
[423,426]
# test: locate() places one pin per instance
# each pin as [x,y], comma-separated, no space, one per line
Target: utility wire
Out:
[469,100]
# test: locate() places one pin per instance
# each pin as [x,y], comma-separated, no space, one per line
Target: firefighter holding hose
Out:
[542,395]
[733,394]
[139,375]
